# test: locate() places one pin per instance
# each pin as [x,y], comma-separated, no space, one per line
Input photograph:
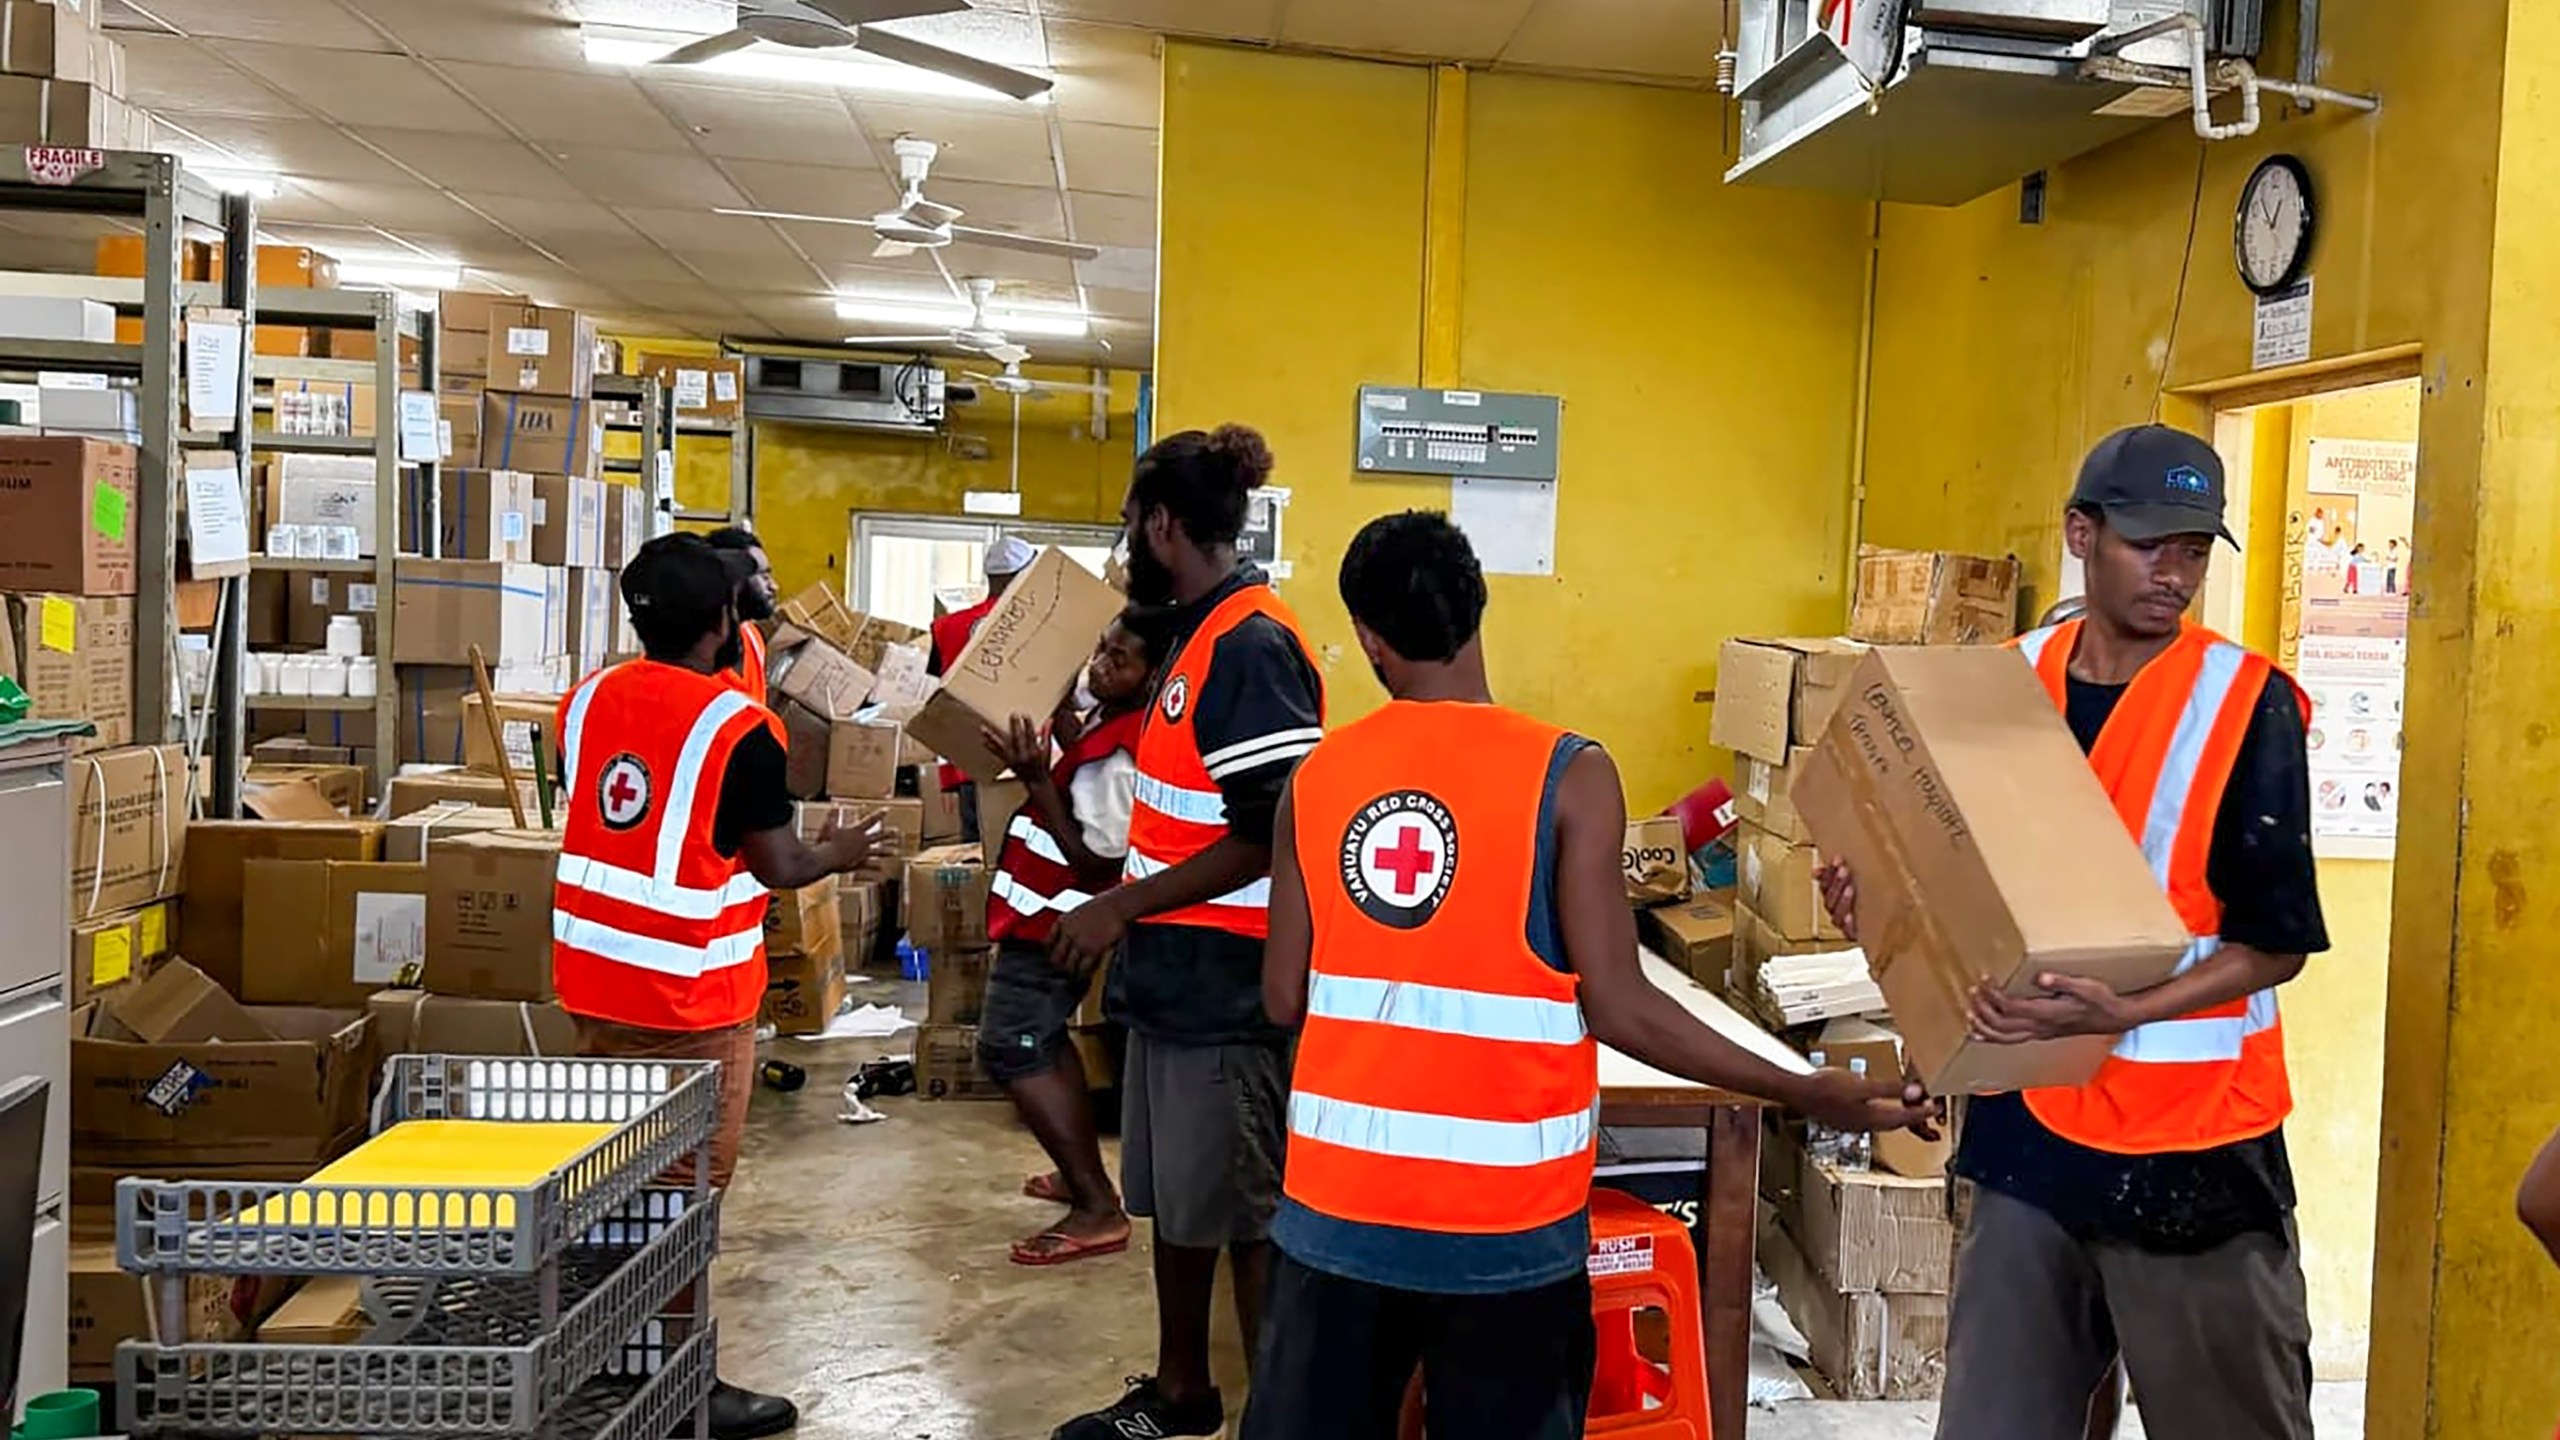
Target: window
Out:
[901,564]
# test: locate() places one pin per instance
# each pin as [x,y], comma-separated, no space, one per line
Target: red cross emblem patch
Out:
[1399,857]
[622,792]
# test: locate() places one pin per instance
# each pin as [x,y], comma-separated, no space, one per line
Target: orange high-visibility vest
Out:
[1445,1079]
[749,676]
[1033,884]
[2216,1075]
[1180,811]
[650,925]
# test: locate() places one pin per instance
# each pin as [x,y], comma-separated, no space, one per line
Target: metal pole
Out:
[156,476]
[229,718]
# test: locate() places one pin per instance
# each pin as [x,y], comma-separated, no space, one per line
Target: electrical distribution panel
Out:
[1477,433]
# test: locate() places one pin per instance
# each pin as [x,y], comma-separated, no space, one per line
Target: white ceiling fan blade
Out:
[1074,389]
[1003,79]
[872,12]
[793,215]
[931,214]
[710,47]
[942,339]
[1028,244]
[1008,354]
[891,249]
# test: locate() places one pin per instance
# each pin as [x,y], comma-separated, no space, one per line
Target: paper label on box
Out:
[422,429]
[360,597]
[58,625]
[511,526]
[724,386]
[176,1089]
[1755,779]
[528,340]
[391,938]
[111,957]
[528,377]
[107,512]
[1622,1255]
[320,591]
[541,510]
[444,437]
[217,517]
[154,928]
[1751,873]
[693,389]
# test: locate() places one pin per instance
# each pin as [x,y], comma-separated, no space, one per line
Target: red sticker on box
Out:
[62,164]
[1622,1255]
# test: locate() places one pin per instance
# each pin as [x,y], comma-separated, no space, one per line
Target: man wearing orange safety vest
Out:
[1449,917]
[678,821]
[756,599]
[1207,1075]
[1006,559]
[2148,1215]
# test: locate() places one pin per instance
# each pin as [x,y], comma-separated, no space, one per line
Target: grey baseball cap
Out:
[2153,482]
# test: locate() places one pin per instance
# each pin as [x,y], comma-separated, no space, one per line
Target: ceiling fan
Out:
[921,224]
[842,24]
[975,336]
[1020,386]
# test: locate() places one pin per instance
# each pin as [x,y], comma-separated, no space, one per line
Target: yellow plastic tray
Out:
[476,1153]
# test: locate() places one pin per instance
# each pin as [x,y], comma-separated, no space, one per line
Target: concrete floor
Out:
[863,1273]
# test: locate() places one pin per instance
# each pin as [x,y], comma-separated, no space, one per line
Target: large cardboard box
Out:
[541,350]
[879,635]
[109,1306]
[1982,845]
[413,1022]
[568,520]
[177,1004]
[46,41]
[289,1098]
[118,950]
[701,387]
[541,433]
[412,836]
[327,1310]
[803,992]
[323,490]
[128,828]
[458,426]
[901,835]
[330,932]
[595,614]
[1866,1229]
[1871,1345]
[1024,659]
[956,987]
[67,515]
[862,759]
[1761,795]
[947,1065]
[806,741]
[626,525]
[489,914]
[69,113]
[521,720]
[1775,695]
[416,790]
[216,870]
[1934,597]
[74,658]
[946,900]
[821,677]
[484,515]
[444,607]
[1696,935]
[818,611]
[804,921]
[463,319]
[1656,861]
[1775,877]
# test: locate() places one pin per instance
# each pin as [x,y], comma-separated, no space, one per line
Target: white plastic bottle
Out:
[1856,1150]
[1820,1140]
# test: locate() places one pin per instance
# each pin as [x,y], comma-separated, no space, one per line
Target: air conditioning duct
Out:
[898,397]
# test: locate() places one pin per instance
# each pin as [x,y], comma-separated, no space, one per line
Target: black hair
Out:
[1414,581]
[1201,478]
[1152,625]
[734,537]
[677,589]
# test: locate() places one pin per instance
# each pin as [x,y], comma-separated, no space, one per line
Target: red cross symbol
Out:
[622,792]
[1408,860]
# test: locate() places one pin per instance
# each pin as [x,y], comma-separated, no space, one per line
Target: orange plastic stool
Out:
[1641,1259]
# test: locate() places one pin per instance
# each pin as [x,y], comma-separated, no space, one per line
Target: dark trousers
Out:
[968,793]
[1337,1355]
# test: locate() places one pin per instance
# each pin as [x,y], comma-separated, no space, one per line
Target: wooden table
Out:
[1634,1094]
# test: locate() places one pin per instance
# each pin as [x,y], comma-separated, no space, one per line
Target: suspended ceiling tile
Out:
[1002,36]
[1121,220]
[831,246]
[624,262]
[181,77]
[591,107]
[506,32]
[1134,306]
[913,275]
[1105,74]
[1009,147]
[561,216]
[359,89]
[1663,39]
[964,261]
[303,149]
[469,162]
[809,127]
[720,244]
[396,207]
[637,177]
[303,200]
[1023,208]
[1233,19]
[1433,29]
[1114,159]
[812,189]
[323,24]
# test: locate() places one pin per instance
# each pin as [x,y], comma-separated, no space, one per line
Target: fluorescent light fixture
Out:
[1037,321]
[401,274]
[842,67]
[258,184]
[991,502]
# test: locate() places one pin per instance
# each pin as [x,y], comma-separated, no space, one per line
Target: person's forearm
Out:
[2228,974]
[1228,864]
[1655,1029]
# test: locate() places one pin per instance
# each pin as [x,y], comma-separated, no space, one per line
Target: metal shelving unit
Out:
[645,394]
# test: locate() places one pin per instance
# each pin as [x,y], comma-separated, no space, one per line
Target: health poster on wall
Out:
[2353,652]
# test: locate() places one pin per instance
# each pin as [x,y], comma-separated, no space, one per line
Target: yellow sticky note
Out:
[59,625]
[155,930]
[111,958]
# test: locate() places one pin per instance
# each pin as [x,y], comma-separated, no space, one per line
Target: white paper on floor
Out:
[856,1111]
[863,1022]
[1774,1337]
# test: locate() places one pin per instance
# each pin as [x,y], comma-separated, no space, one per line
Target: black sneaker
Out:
[1145,1413]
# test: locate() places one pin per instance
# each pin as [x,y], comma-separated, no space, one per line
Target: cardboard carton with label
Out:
[1773,695]
[488,914]
[1023,660]
[1656,861]
[1934,597]
[73,655]
[330,932]
[67,515]
[128,828]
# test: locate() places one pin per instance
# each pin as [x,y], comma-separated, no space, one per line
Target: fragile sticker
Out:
[62,164]
[176,1089]
[1622,1255]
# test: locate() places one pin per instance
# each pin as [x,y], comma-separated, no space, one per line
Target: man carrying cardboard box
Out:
[1443,1110]
[1006,559]
[1207,1073]
[756,599]
[658,934]
[2149,1213]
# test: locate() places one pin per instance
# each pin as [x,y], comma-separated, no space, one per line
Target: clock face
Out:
[2272,238]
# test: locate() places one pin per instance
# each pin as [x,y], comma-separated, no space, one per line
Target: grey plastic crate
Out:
[663,1110]
[463,1356]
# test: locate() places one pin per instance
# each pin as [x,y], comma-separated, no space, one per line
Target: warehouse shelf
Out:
[315,444]
[299,367]
[70,354]
[342,703]
[304,564]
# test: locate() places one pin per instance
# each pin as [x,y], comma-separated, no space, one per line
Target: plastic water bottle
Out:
[1857,1150]
[1820,1140]
[913,962]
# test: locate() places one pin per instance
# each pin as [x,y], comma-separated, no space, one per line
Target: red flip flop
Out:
[1046,1187]
[1052,1247]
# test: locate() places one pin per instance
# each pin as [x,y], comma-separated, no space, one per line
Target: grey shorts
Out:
[1201,1134]
[1030,1003]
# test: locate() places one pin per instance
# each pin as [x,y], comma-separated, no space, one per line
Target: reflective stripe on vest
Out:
[1022,898]
[1261,750]
[666,957]
[660,890]
[1448,1011]
[1410,1135]
[1255,896]
[1200,807]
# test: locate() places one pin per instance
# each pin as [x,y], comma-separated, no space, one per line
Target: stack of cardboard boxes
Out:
[945,899]
[62,79]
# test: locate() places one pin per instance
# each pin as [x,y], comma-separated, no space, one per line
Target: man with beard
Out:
[757,595]
[658,949]
[1204,1096]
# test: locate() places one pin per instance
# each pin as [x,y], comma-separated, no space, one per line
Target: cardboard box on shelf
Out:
[956,987]
[292,342]
[73,654]
[595,612]
[330,932]
[901,835]
[69,113]
[128,828]
[484,515]
[289,1097]
[1775,695]
[1871,1345]
[803,992]
[414,1022]
[1761,795]
[1755,943]
[326,407]
[323,490]
[862,760]
[1656,861]
[489,914]
[327,1310]
[462,334]
[410,837]
[805,921]
[540,433]
[568,520]
[701,387]
[47,41]
[444,607]
[350,343]
[541,350]
[123,256]
[1695,935]
[626,523]
[946,897]
[458,425]
[67,515]
[1024,658]
[1775,877]
[312,601]
[294,267]
[109,1306]
[947,1065]
[821,677]
[415,790]
[1982,845]
[1934,597]
[216,870]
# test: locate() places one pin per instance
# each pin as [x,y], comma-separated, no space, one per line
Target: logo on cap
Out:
[2189,479]
[1399,856]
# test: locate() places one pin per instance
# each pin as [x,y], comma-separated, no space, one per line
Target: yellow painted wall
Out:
[1704,339]
[2003,351]
[810,478]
